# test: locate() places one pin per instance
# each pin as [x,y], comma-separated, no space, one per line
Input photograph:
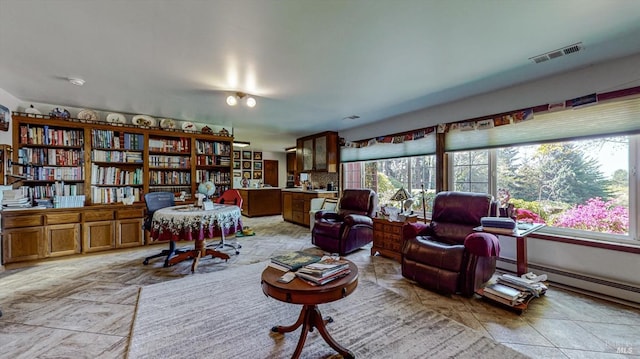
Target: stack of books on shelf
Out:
[293,261]
[15,199]
[324,271]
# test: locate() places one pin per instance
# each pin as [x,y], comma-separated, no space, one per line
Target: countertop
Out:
[259,189]
[299,190]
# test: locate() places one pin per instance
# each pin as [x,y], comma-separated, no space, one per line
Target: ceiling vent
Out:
[571,49]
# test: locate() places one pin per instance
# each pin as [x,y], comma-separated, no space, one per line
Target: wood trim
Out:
[620,247]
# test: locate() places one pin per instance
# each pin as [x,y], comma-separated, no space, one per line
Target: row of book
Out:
[514,291]
[116,140]
[312,269]
[35,135]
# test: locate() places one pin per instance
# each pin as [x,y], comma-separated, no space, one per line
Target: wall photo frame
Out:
[257,166]
[246,155]
[236,155]
[4,118]
[236,165]
[257,156]
[246,165]
[257,174]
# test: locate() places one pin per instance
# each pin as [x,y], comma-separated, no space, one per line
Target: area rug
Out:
[226,315]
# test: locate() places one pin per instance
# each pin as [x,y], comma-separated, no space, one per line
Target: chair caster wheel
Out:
[274,329]
[145,262]
[237,252]
[329,320]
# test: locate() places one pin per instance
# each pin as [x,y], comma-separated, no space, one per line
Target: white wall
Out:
[615,266]
[9,101]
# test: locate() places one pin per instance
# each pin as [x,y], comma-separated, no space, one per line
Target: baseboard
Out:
[597,287]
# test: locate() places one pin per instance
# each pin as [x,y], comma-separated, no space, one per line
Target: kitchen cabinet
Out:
[318,153]
[296,204]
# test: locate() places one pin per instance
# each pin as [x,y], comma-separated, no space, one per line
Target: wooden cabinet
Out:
[261,202]
[291,163]
[387,238]
[40,233]
[297,204]
[318,153]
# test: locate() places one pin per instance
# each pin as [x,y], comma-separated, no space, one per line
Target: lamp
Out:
[242,97]
[401,196]
[241,144]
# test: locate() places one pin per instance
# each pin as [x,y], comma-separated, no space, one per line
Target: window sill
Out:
[614,246]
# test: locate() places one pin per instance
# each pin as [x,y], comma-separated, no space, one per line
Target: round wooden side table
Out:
[299,292]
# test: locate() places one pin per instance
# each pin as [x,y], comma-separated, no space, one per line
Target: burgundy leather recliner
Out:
[447,255]
[351,227]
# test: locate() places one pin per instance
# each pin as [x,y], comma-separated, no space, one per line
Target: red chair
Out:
[233,197]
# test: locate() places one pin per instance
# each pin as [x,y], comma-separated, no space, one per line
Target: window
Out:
[579,187]
[386,177]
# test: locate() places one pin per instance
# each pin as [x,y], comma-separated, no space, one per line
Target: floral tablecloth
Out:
[188,223]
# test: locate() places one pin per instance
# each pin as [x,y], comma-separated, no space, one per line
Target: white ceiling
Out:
[310,63]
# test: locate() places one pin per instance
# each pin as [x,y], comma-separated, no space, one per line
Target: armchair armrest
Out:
[328,215]
[482,244]
[412,230]
[355,219]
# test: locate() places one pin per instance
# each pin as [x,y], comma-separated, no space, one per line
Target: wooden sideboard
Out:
[33,234]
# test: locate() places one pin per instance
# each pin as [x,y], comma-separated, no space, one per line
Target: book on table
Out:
[324,267]
[323,280]
[295,260]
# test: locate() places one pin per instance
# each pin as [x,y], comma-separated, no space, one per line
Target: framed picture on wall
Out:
[246,165]
[257,174]
[257,156]
[236,165]
[4,118]
[246,155]
[257,165]
[237,174]
[246,174]
[236,155]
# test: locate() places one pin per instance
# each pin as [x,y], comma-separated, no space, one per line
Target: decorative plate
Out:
[32,110]
[116,118]
[88,115]
[143,121]
[188,126]
[59,113]
[167,123]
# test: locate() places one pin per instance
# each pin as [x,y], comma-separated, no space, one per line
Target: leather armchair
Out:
[447,255]
[350,227]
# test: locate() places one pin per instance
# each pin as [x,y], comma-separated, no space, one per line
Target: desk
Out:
[179,223]
[520,233]
[299,292]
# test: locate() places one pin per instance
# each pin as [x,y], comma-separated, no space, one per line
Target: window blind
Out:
[601,119]
[423,146]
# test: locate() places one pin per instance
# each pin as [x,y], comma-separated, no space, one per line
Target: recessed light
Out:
[76,81]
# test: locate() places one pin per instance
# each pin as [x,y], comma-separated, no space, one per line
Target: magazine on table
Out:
[295,260]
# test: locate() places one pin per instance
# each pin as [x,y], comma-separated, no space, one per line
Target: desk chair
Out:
[230,196]
[154,202]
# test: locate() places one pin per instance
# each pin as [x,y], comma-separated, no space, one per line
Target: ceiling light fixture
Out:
[76,81]
[241,143]
[241,97]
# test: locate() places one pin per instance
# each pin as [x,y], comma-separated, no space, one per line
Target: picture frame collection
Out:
[247,164]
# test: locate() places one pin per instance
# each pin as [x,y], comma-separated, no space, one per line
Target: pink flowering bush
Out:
[525,215]
[596,215]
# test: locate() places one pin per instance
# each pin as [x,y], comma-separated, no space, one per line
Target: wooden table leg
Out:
[310,317]
[521,255]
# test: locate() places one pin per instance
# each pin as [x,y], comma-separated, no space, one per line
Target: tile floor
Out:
[83,307]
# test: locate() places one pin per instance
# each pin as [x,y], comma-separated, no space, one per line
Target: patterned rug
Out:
[226,315]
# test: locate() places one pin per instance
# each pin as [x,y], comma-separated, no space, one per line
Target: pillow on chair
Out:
[329,204]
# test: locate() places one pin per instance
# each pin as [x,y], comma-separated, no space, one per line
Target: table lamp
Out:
[401,196]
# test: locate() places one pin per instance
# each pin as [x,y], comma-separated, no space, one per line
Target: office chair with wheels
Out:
[154,202]
[233,197]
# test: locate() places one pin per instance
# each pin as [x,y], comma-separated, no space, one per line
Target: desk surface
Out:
[521,230]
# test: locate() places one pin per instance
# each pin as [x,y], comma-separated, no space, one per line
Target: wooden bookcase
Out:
[104,162]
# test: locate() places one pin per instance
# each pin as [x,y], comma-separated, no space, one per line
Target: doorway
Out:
[271,173]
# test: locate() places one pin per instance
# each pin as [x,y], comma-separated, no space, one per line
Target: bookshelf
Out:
[106,162]
[103,162]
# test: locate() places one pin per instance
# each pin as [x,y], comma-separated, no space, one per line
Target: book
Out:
[325,267]
[295,260]
[278,267]
[321,281]
[503,291]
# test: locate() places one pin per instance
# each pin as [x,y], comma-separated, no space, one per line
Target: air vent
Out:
[571,49]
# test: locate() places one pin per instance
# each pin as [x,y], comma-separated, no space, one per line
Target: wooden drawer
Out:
[62,218]
[395,229]
[130,213]
[24,221]
[299,217]
[298,196]
[298,205]
[101,215]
